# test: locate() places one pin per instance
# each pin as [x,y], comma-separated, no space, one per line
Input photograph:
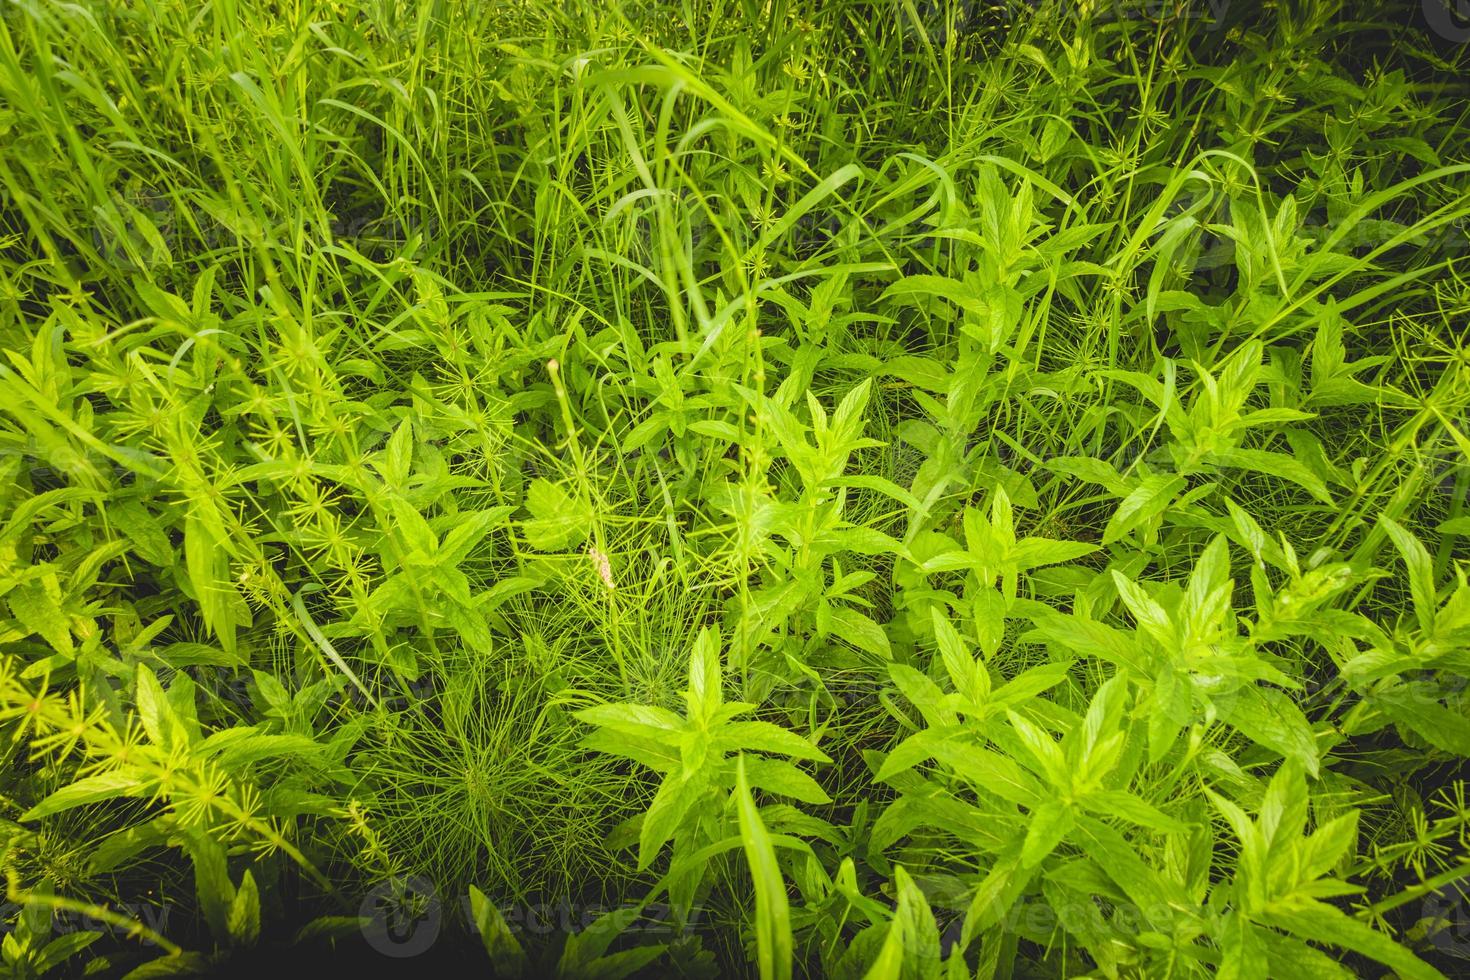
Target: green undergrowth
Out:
[870,488]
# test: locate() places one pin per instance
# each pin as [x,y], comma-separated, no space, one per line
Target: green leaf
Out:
[61,949]
[148,537]
[1274,464]
[705,676]
[1421,571]
[557,521]
[676,796]
[997,892]
[921,932]
[921,692]
[865,541]
[919,289]
[847,419]
[1290,957]
[958,662]
[763,736]
[1322,923]
[1030,683]
[855,628]
[207,561]
[1090,638]
[1169,712]
[990,773]
[1329,844]
[1116,858]
[398,456]
[634,719]
[884,486]
[782,778]
[468,531]
[89,789]
[888,964]
[160,723]
[211,881]
[330,927]
[182,965]
[244,919]
[1245,956]
[408,522]
[772,913]
[1031,553]
[1411,706]
[587,947]
[1046,753]
[655,753]
[1092,470]
[989,609]
[1047,825]
[1149,499]
[1273,719]
[236,747]
[507,958]
[325,645]
[186,654]
[33,606]
[1125,806]
[1149,615]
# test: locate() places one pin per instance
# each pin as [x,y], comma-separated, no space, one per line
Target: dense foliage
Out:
[869,488]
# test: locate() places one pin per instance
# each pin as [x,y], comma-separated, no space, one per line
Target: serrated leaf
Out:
[1271,718]
[1274,464]
[207,561]
[678,793]
[958,662]
[1046,827]
[244,920]
[1412,707]
[1149,499]
[557,521]
[507,959]
[1031,553]
[211,881]
[763,736]
[398,456]
[1322,923]
[857,629]
[782,778]
[39,613]
[89,789]
[1420,568]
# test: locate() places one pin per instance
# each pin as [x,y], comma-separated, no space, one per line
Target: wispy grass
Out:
[878,488]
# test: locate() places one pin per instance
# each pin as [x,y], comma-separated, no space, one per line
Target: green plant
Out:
[919,488]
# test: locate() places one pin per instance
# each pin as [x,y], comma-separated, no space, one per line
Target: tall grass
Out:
[870,488]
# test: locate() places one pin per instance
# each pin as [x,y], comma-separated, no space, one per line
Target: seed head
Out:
[602,565]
